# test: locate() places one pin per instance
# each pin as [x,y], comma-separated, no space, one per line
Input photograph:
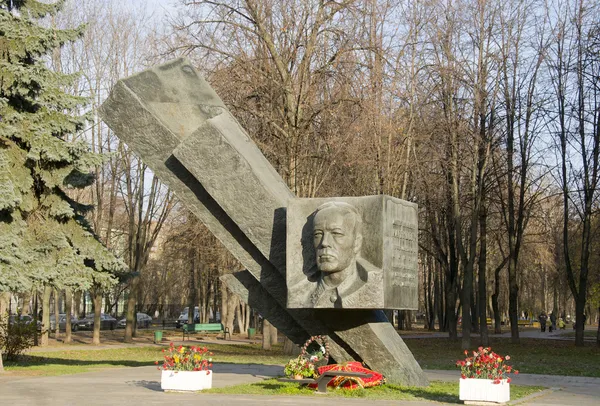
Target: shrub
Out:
[16,336]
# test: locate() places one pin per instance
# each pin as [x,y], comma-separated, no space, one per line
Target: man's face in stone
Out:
[334,239]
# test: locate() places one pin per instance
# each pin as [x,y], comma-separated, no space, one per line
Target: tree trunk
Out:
[192,298]
[4,300]
[289,348]
[239,317]
[84,304]
[389,313]
[579,319]
[439,299]
[495,305]
[474,305]
[130,315]
[513,301]
[26,308]
[407,317]
[451,311]
[77,303]
[598,331]
[229,304]
[482,297]
[36,341]
[431,299]
[97,311]
[56,313]
[224,315]
[247,320]
[266,335]
[273,334]
[467,290]
[45,315]
[68,313]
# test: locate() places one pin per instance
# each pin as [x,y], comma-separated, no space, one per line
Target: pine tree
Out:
[44,237]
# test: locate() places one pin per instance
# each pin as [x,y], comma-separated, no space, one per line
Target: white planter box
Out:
[185,380]
[484,390]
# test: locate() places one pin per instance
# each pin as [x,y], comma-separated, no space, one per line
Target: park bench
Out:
[524,323]
[325,377]
[203,327]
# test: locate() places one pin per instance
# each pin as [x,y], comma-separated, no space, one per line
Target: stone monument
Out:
[181,129]
[352,253]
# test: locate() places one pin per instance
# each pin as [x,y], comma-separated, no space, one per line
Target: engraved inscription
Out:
[404,254]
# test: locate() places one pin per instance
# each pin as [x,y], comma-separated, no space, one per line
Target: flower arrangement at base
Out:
[346,382]
[186,368]
[485,364]
[299,368]
[314,351]
[484,377]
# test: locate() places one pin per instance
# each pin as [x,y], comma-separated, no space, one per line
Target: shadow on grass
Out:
[270,386]
[33,360]
[434,396]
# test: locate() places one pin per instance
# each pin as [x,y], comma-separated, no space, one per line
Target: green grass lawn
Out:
[82,360]
[436,391]
[571,333]
[534,356]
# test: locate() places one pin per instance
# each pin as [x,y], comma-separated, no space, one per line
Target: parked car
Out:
[183,317]
[23,319]
[107,322]
[62,322]
[143,321]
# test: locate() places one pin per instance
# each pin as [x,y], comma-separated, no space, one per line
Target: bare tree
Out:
[577,127]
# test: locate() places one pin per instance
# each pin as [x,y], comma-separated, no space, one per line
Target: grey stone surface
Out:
[383,272]
[163,114]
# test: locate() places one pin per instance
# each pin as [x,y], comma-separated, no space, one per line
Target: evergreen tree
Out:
[44,237]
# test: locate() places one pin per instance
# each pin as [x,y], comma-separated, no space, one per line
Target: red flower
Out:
[484,364]
[508,380]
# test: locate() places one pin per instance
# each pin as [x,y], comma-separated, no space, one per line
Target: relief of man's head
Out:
[337,236]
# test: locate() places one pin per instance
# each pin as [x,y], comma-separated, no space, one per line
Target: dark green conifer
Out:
[44,238]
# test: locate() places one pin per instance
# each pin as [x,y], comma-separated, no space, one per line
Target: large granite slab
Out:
[175,122]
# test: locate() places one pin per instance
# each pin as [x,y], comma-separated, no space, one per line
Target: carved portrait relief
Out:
[351,253]
[334,273]
[342,281]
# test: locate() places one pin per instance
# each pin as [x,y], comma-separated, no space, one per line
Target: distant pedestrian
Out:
[561,323]
[542,318]
[552,321]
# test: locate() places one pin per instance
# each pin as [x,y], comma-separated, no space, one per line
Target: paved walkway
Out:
[122,386]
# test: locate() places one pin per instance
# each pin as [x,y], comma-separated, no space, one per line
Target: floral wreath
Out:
[322,354]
